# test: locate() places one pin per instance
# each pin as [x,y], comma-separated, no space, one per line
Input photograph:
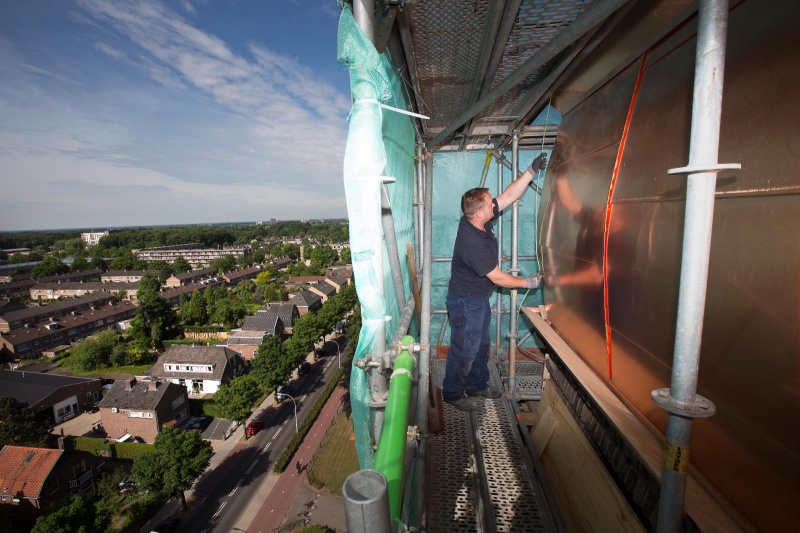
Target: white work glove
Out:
[533,281]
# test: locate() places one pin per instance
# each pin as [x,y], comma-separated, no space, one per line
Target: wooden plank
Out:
[706,511]
[588,497]
[412,269]
[540,435]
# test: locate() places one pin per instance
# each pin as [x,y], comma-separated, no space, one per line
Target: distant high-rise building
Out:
[93,237]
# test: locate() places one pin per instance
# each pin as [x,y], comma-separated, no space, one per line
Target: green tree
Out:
[228,312]
[176,459]
[127,261]
[79,262]
[323,256]
[194,312]
[154,321]
[270,365]
[73,514]
[164,270]
[19,425]
[181,265]
[223,264]
[235,399]
[148,283]
[345,256]
[50,266]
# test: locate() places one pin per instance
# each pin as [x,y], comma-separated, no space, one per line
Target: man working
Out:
[474,274]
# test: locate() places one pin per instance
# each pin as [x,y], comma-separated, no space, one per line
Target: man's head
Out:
[474,200]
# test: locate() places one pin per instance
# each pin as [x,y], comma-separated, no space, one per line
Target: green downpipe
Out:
[390,456]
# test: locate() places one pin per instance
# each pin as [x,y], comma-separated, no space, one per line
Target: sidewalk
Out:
[277,504]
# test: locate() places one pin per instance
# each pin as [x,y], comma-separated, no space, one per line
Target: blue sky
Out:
[142,112]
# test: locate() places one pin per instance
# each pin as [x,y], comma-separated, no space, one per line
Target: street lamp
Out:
[338,352]
[279,396]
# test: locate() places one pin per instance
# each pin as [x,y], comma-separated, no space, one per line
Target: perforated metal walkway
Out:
[480,477]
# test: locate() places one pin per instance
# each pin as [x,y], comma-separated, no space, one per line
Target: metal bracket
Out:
[696,169]
[700,408]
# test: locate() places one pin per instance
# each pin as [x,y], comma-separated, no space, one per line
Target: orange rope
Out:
[610,205]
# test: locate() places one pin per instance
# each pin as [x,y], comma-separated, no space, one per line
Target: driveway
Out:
[80,426]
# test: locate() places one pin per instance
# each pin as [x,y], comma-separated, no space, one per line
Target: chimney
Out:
[130,383]
[153,385]
[62,443]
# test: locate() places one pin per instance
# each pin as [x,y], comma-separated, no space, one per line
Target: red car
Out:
[253,427]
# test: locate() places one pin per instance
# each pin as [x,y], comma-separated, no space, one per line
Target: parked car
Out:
[127,484]
[303,369]
[253,427]
[168,524]
[200,423]
[319,352]
[284,389]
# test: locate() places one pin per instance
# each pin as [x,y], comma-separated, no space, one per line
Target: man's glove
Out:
[533,281]
[540,163]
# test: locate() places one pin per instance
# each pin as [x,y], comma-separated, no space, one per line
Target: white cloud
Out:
[110,50]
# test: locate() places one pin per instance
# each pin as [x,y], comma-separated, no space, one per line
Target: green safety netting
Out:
[380,144]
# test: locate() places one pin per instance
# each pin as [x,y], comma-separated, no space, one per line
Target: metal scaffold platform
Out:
[480,476]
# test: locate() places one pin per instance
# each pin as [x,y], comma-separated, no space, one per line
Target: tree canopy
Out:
[235,399]
[50,266]
[72,514]
[176,459]
[154,321]
[19,425]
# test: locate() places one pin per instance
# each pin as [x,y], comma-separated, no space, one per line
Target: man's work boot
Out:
[463,404]
[488,392]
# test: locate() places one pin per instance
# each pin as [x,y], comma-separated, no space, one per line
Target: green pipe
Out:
[390,456]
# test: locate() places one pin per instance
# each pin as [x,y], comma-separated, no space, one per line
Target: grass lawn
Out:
[338,458]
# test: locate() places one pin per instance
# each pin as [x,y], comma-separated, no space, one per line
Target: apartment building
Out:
[193,253]
[92,238]
[73,289]
[34,315]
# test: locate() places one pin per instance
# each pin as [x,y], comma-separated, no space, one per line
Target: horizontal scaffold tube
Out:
[390,456]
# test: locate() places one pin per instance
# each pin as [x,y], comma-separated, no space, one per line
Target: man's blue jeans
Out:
[467,366]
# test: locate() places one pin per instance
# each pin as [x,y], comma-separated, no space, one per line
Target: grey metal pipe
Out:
[442,329]
[423,176]
[390,238]
[364,14]
[498,304]
[402,327]
[512,317]
[502,160]
[417,209]
[366,502]
[699,216]
[601,9]
[420,476]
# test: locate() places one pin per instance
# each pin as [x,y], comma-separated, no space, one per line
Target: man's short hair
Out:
[473,200]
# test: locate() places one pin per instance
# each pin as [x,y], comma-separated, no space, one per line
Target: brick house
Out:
[246,340]
[199,369]
[17,318]
[30,341]
[33,478]
[323,290]
[140,408]
[188,278]
[237,276]
[306,301]
[53,397]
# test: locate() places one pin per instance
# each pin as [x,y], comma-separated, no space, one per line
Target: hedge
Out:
[297,439]
[116,450]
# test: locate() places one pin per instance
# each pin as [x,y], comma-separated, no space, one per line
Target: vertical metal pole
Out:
[390,238]
[423,387]
[512,315]
[423,176]
[498,306]
[683,402]
[364,14]
[416,212]
[366,502]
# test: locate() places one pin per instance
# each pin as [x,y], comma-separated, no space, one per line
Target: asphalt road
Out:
[221,498]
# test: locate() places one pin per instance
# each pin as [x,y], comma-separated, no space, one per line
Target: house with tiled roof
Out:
[255,329]
[73,289]
[31,341]
[17,318]
[53,397]
[193,276]
[295,281]
[173,294]
[337,281]
[323,290]
[31,479]
[237,276]
[306,301]
[126,276]
[281,263]
[141,408]
[200,369]
[286,311]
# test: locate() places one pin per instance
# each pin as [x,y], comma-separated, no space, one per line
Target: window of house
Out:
[178,401]
[139,414]
[99,322]
[73,331]
[24,346]
[58,336]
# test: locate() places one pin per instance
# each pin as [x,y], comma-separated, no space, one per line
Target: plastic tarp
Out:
[380,145]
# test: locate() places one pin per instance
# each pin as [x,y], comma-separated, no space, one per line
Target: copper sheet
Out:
[750,358]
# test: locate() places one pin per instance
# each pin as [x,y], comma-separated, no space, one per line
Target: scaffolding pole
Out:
[514,270]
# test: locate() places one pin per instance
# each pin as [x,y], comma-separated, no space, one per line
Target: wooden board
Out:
[706,511]
[588,498]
